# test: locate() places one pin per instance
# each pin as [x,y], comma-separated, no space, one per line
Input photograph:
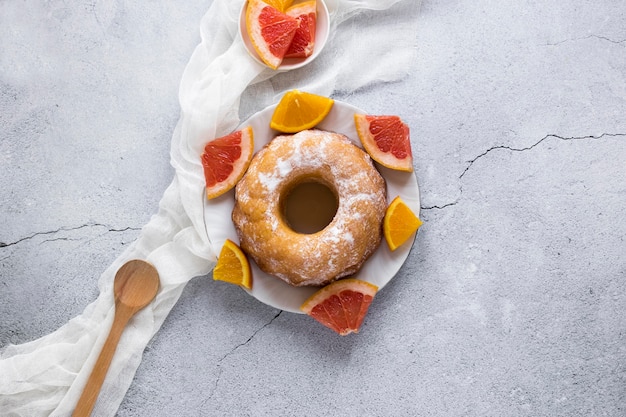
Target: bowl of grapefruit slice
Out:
[284,34]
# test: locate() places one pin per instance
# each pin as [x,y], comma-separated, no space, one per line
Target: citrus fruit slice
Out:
[341,305]
[304,39]
[233,266]
[270,31]
[281,5]
[386,139]
[399,223]
[225,160]
[298,110]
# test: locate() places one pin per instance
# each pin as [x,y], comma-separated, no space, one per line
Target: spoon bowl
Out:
[136,284]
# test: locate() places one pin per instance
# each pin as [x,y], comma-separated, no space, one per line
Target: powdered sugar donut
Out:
[260,213]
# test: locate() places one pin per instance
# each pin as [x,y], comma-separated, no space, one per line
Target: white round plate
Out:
[322,29]
[382,265]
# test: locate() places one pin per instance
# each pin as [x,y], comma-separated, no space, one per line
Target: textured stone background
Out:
[513,300]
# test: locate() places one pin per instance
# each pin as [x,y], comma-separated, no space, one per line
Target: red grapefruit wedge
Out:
[303,40]
[270,31]
[386,139]
[225,160]
[341,305]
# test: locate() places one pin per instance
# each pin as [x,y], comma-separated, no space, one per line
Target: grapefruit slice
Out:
[303,40]
[341,305]
[225,160]
[299,110]
[270,30]
[233,266]
[386,139]
[399,223]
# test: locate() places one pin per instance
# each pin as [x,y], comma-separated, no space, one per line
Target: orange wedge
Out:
[386,139]
[298,110]
[341,305]
[225,160]
[270,31]
[281,5]
[233,266]
[399,223]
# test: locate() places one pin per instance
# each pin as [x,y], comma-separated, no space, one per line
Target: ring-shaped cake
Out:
[338,249]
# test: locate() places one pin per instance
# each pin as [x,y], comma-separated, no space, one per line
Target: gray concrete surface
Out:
[513,300]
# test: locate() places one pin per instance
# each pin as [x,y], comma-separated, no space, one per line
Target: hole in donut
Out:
[309,206]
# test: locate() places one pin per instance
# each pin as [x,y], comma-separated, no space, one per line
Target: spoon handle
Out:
[94,383]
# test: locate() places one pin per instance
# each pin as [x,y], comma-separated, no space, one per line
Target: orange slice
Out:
[270,31]
[281,5]
[303,41]
[386,139]
[225,160]
[399,223]
[233,266]
[298,110]
[341,305]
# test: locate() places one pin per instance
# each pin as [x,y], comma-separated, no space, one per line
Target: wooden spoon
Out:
[136,284]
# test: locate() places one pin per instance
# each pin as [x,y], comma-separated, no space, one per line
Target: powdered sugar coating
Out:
[345,244]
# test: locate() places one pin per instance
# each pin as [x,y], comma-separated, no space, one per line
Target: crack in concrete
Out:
[471,162]
[219,362]
[604,38]
[250,338]
[436,207]
[512,149]
[65,229]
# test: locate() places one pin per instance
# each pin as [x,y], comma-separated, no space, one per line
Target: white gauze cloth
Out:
[371,41]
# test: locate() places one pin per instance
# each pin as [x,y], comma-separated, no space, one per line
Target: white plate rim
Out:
[378,270]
